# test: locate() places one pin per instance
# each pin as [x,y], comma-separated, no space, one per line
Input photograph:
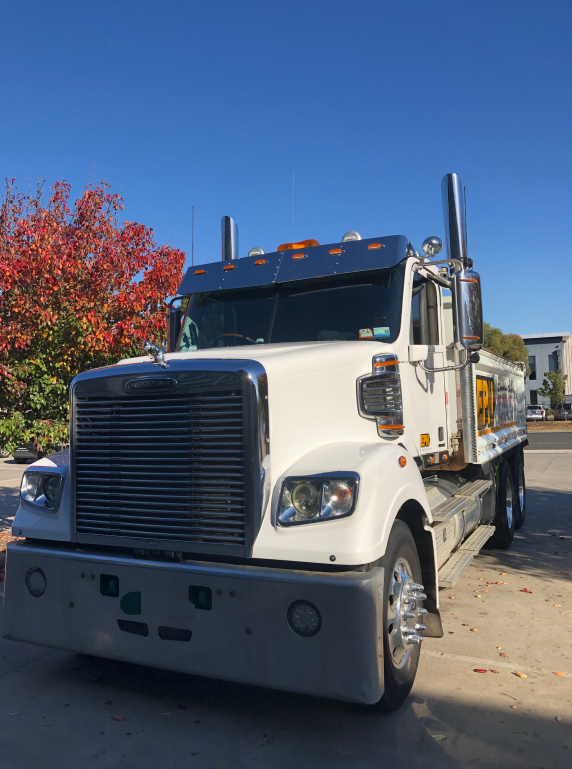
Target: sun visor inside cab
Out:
[296,264]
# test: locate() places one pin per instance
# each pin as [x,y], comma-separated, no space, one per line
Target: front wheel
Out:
[402,612]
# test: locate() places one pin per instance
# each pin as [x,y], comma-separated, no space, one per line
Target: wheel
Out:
[504,517]
[519,491]
[402,596]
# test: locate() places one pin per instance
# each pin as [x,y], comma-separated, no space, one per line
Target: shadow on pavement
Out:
[543,547]
[217,724]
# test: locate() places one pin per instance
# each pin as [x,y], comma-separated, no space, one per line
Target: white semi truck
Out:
[278,499]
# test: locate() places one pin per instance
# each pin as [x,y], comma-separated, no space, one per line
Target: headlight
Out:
[317,498]
[42,489]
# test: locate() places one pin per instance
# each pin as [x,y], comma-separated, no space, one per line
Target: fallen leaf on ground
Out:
[494,671]
[485,591]
[558,718]
[502,654]
[499,647]
[508,695]
[438,736]
[557,605]
[474,630]
[119,718]
[479,670]
[499,583]
[548,600]
[520,675]
[477,596]
[452,597]
[503,573]
[526,590]
[514,707]
[465,624]
[557,673]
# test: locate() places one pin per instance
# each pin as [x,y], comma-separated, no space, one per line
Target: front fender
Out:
[361,538]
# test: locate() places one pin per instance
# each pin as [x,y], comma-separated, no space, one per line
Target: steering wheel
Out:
[240,336]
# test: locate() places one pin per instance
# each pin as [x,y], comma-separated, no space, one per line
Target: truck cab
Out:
[278,498]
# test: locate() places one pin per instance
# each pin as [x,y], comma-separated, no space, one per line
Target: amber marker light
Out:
[299,256]
[200,272]
[260,261]
[336,251]
[228,267]
[382,363]
[402,461]
[375,245]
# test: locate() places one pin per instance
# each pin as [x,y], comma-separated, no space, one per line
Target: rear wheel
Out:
[504,519]
[519,491]
[402,596]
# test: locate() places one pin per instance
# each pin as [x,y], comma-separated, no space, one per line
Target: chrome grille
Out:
[166,467]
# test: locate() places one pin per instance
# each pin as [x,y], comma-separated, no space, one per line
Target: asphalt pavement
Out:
[550,440]
[511,612]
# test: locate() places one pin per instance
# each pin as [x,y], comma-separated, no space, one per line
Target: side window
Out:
[424,313]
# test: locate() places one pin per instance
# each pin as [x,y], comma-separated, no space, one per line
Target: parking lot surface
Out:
[511,612]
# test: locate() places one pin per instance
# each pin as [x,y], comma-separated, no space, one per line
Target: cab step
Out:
[450,572]
[475,543]
[459,501]
[450,507]
[474,489]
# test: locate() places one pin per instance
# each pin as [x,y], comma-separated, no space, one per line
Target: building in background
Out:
[547,352]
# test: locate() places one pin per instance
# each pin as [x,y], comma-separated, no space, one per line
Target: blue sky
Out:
[216,104]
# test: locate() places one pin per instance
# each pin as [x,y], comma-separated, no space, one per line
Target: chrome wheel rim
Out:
[521,488]
[509,498]
[402,613]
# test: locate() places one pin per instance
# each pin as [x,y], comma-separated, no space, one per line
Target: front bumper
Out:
[245,637]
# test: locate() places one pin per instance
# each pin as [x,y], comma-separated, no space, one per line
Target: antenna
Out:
[293,241]
[193,239]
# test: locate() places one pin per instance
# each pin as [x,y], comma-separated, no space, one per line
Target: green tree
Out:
[508,346]
[554,387]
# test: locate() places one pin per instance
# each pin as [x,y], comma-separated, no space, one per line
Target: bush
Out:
[16,431]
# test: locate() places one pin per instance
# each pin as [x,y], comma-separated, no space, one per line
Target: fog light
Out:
[304,618]
[35,582]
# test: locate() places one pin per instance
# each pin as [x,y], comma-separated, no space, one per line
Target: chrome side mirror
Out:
[468,310]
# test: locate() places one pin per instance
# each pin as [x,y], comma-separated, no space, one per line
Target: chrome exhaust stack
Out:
[229,238]
[454,212]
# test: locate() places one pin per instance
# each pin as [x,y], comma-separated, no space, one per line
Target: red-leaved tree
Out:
[77,290]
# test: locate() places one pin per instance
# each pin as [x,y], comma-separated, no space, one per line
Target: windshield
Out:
[365,306]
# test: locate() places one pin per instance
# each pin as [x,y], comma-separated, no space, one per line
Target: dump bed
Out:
[493,407]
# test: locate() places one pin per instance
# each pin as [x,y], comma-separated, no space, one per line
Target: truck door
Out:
[427,405]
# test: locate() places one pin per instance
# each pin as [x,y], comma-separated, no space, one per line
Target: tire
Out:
[20,461]
[400,659]
[504,517]
[519,484]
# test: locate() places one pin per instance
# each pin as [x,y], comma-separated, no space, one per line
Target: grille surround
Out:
[131,489]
